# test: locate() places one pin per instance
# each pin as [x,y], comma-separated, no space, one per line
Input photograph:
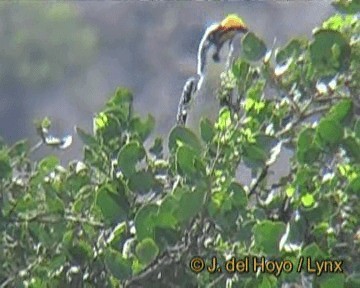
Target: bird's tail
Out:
[188,93]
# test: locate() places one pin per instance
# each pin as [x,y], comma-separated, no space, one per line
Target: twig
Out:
[301,118]
[261,177]
[328,99]
[35,147]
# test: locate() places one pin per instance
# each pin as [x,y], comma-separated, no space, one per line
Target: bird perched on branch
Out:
[194,102]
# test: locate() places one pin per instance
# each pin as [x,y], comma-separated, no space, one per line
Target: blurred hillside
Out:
[148,47]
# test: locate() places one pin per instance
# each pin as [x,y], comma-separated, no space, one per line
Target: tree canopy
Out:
[130,214]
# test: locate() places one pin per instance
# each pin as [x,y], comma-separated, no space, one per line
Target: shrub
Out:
[128,214]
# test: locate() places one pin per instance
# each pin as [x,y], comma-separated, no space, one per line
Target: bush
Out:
[130,215]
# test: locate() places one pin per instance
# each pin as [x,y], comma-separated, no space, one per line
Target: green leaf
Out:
[347,6]
[81,252]
[55,204]
[329,52]
[330,131]
[166,237]
[86,138]
[121,97]
[309,155]
[171,201]
[20,148]
[220,203]
[224,120]
[26,204]
[118,110]
[253,47]
[120,105]
[147,251]
[118,235]
[5,167]
[256,91]
[101,120]
[340,111]
[95,159]
[180,135]
[290,191]
[49,163]
[268,235]
[240,69]
[112,203]
[206,130]
[253,282]
[141,182]
[190,204]
[56,263]
[338,22]
[44,123]
[305,138]
[157,147]
[117,264]
[313,251]
[266,142]
[255,153]
[107,125]
[239,198]
[354,186]
[268,281]
[185,157]
[129,156]
[357,129]
[37,283]
[165,217]
[308,200]
[307,150]
[352,147]
[334,22]
[332,280]
[143,128]
[145,221]
[41,235]
[292,49]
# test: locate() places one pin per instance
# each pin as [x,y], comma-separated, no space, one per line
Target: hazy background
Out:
[63,60]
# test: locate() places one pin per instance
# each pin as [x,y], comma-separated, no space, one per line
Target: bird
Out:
[196,101]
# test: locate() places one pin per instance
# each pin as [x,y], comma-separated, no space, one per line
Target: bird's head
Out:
[234,23]
[216,35]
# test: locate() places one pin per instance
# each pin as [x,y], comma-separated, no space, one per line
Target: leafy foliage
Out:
[128,214]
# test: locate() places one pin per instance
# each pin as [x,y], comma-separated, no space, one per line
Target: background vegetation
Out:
[132,216]
[40,48]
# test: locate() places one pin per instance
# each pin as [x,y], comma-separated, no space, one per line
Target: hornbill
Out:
[193,106]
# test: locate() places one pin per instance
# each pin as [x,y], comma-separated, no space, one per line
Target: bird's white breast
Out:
[205,103]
